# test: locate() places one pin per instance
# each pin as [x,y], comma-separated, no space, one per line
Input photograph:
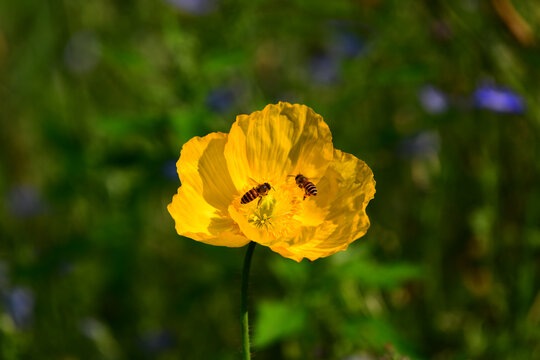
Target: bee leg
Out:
[305,196]
[259,202]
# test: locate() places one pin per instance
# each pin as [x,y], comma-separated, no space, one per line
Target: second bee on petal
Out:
[304,183]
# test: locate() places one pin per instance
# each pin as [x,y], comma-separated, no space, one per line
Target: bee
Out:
[304,183]
[256,192]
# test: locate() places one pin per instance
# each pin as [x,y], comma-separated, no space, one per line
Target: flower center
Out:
[275,213]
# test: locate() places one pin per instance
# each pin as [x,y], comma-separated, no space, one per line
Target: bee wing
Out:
[253,182]
[315,180]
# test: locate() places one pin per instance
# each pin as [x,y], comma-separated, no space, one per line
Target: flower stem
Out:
[244,303]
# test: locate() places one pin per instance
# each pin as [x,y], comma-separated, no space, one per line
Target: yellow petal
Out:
[343,195]
[203,167]
[280,140]
[199,209]
[198,220]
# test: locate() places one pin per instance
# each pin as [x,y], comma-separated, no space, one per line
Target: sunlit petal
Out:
[200,206]
[344,193]
[280,140]
[198,220]
[203,167]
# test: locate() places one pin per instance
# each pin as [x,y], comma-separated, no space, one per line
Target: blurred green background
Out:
[440,98]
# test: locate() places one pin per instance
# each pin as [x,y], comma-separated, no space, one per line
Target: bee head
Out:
[264,188]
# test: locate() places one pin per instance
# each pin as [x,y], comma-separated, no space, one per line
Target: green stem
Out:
[244,303]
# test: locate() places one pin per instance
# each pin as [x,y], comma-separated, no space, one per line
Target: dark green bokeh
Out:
[97,98]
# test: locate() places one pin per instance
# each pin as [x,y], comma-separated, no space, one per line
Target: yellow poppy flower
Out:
[273,146]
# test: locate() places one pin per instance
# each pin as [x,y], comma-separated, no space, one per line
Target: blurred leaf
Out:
[122,126]
[370,274]
[277,320]
[184,122]
[289,271]
[375,333]
[222,62]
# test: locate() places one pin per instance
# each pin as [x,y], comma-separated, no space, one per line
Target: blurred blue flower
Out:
[168,170]
[82,52]
[157,341]
[324,69]
[24,201]
[221,99]
[425,144]
[498,99]
[432,99]
[347,44]
[19,303]
[195,7]
[345,40]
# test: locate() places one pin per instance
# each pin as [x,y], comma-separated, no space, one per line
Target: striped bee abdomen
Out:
[310,188]
[249,196]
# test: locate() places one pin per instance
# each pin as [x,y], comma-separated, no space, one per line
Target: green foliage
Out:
[370,275]
[277,320]
[97,98]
